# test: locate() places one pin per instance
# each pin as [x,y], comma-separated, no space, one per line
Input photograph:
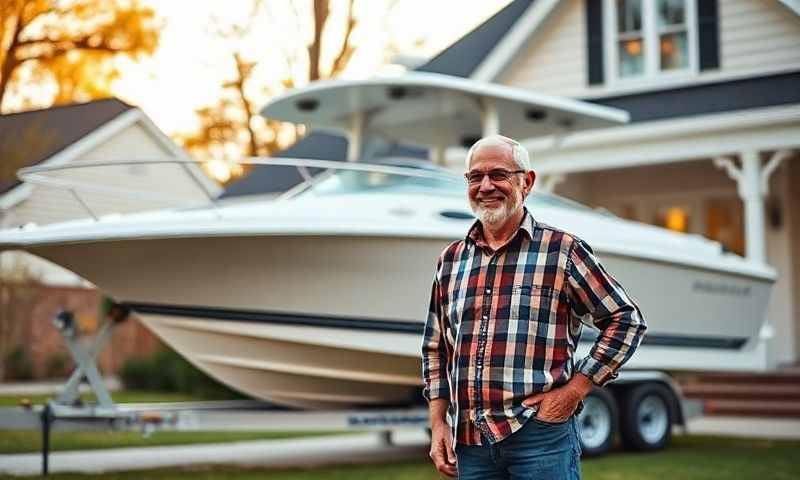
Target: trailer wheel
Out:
[597,423]
[646,419]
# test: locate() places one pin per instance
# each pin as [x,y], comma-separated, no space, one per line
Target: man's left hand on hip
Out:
[558,404]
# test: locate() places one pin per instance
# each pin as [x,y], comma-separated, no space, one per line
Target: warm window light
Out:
[634,47]
[667,47]
[677,219]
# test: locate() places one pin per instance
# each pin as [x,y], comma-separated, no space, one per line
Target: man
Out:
[505,315]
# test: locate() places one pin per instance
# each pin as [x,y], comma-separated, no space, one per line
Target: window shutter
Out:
[708,33]
[594,40]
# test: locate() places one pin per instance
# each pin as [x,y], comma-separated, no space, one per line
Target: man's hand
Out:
[558,404]
[442,452]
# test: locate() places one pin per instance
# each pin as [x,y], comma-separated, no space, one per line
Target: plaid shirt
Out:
[504,325]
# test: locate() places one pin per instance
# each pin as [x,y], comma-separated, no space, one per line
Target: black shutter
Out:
[594,40]
[708,29]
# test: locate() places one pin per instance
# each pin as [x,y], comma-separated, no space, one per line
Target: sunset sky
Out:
[191,63]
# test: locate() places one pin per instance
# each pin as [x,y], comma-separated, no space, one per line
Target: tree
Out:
[72,44]
[232,127]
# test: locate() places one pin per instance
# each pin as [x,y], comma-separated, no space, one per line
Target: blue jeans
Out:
[538,450]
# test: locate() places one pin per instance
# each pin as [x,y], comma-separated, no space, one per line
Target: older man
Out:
[505,316]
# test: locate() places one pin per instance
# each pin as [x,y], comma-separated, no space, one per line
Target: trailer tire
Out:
[597,423]
[646,417]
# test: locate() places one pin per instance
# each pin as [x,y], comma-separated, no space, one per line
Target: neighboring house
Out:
[713,89]
[103,130]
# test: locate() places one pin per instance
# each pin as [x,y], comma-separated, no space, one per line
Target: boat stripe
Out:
[352,323]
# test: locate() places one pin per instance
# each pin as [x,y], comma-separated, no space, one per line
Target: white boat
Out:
[317,299]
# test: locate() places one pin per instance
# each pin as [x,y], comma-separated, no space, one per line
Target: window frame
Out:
[650,37]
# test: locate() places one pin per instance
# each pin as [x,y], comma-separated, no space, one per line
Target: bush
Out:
[166,371]
[58,365]
[19,365]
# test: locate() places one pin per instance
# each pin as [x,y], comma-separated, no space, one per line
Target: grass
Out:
[122,396]
[706,458]
[29,442]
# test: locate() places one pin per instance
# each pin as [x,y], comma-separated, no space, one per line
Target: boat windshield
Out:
[352,181]
[349,181]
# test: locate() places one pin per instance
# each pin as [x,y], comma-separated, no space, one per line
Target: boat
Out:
[317,298]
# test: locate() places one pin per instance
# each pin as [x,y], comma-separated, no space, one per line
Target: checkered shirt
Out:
[503,325]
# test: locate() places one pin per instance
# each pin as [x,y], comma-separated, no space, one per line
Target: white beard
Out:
[497,215]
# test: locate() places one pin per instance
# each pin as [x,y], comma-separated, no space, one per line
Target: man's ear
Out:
[530,179]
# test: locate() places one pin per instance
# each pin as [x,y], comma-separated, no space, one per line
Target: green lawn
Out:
[688,458]
[123,396]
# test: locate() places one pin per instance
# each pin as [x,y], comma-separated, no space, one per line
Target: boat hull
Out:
[336,321]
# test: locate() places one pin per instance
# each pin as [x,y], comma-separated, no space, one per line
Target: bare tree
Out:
[73,44]
[232,126]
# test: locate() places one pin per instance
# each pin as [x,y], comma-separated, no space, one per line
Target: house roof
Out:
[464,56]
[31,137]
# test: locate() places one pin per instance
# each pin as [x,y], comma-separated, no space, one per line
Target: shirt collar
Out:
[475,233]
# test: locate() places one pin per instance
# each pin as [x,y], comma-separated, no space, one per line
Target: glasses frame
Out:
[507,175]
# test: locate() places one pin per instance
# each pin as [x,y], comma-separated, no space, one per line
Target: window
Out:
[650,39]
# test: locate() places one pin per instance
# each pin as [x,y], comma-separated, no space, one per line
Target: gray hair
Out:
[518,152]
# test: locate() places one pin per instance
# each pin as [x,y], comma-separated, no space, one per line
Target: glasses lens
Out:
[499,175]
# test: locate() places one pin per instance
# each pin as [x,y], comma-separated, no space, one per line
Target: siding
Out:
[153,182]
[554,59]
[755,36]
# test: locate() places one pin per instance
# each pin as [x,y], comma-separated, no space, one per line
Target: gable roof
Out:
[29,138]
[464,56]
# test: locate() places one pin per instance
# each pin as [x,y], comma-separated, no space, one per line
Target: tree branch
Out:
[346,51]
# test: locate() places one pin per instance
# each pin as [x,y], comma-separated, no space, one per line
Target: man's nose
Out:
[486,184]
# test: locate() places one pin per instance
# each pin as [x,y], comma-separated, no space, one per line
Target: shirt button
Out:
[486,317]
[488,290]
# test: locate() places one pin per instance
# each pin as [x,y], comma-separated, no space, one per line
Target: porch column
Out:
[753,185]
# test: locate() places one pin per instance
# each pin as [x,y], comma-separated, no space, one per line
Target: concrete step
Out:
[770,378]
[763,392]
[752,408]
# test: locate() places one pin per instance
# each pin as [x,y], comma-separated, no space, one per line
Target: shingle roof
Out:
[28,138]
[462,57]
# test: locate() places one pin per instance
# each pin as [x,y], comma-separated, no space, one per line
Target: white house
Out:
[103,130]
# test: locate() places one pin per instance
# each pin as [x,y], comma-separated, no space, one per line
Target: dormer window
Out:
[649,39]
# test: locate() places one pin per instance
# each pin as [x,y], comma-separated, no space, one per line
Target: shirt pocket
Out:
[527,302]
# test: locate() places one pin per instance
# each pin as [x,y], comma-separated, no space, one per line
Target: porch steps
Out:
[773,394]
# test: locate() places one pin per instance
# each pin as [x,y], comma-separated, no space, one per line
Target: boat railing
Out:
[73,178]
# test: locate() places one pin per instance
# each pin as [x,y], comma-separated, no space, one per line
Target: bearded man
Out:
[505,315]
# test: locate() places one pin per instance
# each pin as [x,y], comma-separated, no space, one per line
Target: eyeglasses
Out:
[495,175]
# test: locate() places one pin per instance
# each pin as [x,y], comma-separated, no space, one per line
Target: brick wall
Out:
[45,345]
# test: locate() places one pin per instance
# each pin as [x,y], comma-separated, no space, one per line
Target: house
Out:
[98,131]
[712,146]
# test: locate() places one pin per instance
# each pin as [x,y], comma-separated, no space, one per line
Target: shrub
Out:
[167,371]
[58,365]
[19,365]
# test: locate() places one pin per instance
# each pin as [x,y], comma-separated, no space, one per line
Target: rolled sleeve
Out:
[594,293]
[434,351]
